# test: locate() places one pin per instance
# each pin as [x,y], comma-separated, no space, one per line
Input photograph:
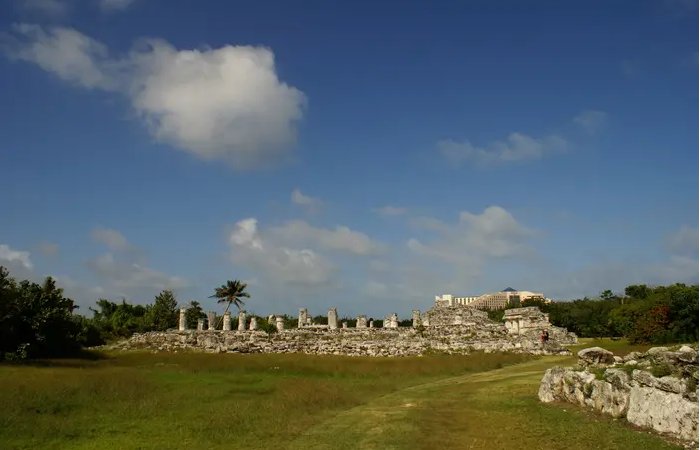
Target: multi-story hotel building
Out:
[494,300]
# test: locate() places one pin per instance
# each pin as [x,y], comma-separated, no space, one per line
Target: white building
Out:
[494,300]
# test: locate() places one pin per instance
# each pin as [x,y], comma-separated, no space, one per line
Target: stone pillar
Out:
[308,322]
[371,323]
[416,318]
[303,314]
[253,323]
[200,324]
[332,319]
[279,322]
[394,321]
[227,321]
[361,322]
[271,319]
[241,321]
[211,318]
[345,324]
[182,325]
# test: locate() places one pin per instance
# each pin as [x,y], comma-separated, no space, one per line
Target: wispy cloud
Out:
[592,121]
[517,147]
[311,204]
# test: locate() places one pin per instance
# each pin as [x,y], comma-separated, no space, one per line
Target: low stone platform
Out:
[458,339]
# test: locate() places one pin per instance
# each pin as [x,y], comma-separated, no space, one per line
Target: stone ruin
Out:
[657,389]
[446,329]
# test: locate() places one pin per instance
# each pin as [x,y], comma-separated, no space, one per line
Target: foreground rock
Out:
[657,389]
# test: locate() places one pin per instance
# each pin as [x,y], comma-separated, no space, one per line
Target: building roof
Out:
[509,289]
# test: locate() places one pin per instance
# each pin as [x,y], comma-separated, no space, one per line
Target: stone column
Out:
[303,314]
[361,322]
[211,318]
[416,318]
[227,321]
[182,325]
[371,323]
[332,319]
[241,321]
[345,324]
[253,323]
[308,322]
[271,319]
[200,324]
[279,322]
[394,321]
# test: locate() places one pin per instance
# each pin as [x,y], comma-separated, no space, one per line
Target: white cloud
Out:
[65,52]
[391,211]
[475,238]
[124,274]
[310,203]
[517,147]
[591,121]
[9,255]
[278,264]
[115,5]
[217,104]
[113,239]
[341,238]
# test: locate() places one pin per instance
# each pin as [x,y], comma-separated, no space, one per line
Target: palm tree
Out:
[232,292]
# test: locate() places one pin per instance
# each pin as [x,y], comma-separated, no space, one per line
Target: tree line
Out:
[644,314]
[38,320]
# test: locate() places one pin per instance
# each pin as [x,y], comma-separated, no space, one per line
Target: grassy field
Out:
[190,400]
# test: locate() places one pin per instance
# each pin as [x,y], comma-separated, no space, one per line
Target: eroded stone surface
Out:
[667,404]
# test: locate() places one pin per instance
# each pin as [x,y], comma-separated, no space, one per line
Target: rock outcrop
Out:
[657,389]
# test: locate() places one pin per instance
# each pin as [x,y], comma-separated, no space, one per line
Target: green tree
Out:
[194,313]
[36,320]
[231,293]
[164,314]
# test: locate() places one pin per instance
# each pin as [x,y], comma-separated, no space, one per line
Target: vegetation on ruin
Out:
[643,314]
[294,401]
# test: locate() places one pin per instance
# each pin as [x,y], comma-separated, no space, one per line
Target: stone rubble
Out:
[627,388]
[451,330]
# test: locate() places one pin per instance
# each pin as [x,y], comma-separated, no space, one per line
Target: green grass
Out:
[207,401]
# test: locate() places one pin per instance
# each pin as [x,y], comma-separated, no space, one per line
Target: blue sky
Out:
[363,155]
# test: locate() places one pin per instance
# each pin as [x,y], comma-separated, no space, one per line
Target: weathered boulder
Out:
[666,404]
[595,356]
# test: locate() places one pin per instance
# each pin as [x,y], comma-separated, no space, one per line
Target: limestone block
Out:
[664,412]
[211,320]
[667,383]
[200,324]
[595,356]
[227,321]
[609,399]
[253,323]
[241,320]
[182,325]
